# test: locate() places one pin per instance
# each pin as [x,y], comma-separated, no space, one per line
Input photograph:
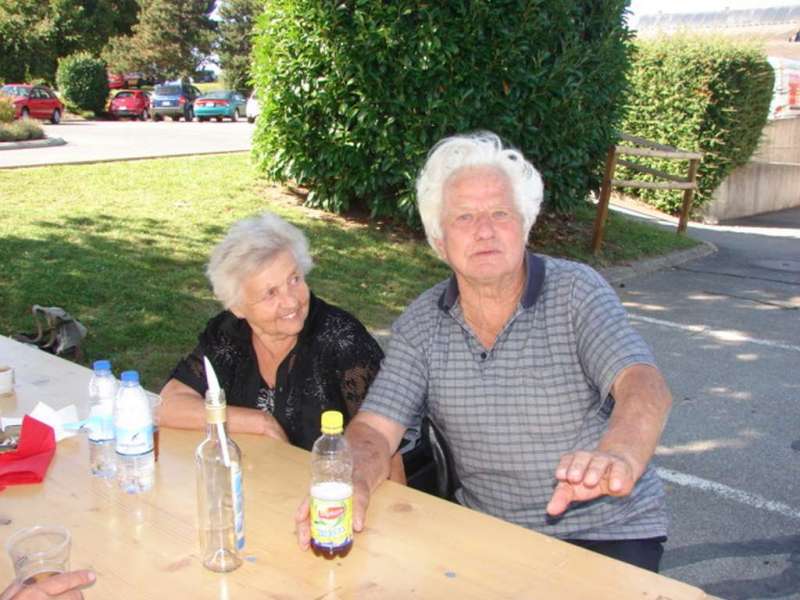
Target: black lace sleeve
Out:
[359,359]
[191,371]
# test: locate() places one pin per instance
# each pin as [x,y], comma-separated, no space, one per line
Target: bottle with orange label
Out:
[331,490]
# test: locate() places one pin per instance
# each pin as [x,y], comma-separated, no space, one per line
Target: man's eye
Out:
[464,218]
[500,215]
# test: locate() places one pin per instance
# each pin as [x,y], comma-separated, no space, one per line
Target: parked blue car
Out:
[173,100]
[218,105]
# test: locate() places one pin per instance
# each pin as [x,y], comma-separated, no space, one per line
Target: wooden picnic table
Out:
[415,545]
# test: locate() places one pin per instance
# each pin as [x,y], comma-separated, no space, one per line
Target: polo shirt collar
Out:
[534,282]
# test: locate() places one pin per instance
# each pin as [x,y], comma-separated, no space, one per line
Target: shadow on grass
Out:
[140,303]
[141,290]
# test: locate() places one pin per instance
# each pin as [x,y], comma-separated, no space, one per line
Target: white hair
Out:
[480,149]
[248,247]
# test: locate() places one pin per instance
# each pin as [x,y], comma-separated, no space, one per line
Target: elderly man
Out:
[550,401]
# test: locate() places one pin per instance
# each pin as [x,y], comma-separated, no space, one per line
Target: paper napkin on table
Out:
[56,418]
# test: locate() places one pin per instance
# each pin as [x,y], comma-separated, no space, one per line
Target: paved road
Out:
[726,332]
[89,141]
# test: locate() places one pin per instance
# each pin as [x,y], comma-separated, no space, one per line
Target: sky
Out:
[639,8]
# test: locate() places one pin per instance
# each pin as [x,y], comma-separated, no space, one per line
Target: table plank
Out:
[414,545]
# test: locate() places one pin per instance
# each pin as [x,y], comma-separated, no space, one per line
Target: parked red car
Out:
[130,103]
[116,81]
[34,101]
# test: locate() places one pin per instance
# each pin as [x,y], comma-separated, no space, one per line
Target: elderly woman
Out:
[550,400]
[282,355]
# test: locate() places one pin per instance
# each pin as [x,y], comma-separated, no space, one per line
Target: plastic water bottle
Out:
[102,390]
[331,490]
[133,428]
[219,491]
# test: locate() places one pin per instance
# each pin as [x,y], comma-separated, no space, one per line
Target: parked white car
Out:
[252,108]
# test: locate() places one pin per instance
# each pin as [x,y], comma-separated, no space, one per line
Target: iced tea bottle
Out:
[331,490]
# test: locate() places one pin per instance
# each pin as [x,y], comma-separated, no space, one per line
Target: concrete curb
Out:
[44,143]
[620,273]
[614,275]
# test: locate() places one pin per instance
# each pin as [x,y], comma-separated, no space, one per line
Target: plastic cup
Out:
[39,552]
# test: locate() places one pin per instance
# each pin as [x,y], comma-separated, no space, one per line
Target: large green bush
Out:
[702,94]
[83,81]
[355,92]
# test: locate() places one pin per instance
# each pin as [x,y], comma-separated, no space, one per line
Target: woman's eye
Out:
[295,280]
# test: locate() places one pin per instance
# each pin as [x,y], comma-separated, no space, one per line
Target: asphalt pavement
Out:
[96,141]
[725,330]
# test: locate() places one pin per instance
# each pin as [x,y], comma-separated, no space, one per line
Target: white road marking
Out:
[729,493]
[720,334]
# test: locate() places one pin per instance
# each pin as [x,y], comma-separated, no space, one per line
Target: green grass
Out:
[122,246]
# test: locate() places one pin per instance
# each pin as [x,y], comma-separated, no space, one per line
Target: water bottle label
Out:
[134,441]
[238,505]
[332,522]
[101,426]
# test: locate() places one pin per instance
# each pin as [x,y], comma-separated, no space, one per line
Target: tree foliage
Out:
[355,92]
[83,82]
[170,40]
[234,47]
[35,34]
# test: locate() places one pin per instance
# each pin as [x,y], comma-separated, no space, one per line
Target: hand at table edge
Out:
[64,585]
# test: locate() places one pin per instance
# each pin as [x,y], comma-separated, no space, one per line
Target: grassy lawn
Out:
[122,246]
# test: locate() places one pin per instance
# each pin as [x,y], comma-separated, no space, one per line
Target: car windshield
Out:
[168,90]
[218,94]
[123,95]
[16,90]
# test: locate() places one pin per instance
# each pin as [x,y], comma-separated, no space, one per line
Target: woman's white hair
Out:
[248,247]
[480,149]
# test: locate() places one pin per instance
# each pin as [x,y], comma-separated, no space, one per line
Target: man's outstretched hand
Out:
[585,475]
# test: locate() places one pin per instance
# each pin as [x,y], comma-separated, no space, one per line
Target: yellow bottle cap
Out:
[332,422]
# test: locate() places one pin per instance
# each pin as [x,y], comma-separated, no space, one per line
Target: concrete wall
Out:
[769,182]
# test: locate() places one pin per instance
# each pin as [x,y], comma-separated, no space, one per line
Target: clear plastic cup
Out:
[39,552]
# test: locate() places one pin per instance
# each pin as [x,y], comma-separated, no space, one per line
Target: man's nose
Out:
[484,228]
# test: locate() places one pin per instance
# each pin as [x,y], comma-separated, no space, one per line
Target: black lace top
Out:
[330,368]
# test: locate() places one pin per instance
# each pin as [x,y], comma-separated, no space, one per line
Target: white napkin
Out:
[56,418]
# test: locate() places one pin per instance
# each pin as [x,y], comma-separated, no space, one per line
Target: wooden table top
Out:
[414,545]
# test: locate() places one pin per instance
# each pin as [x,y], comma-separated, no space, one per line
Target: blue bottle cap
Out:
[102,365]
[130,376]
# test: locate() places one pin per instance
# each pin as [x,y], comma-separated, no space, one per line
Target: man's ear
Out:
[439,243]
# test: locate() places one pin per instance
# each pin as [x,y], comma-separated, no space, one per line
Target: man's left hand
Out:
[585,475]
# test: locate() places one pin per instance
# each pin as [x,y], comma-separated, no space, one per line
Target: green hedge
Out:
[355,92]
[701,94]
[82,80]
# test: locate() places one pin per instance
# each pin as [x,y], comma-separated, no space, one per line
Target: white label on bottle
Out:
[238,505]
[134,441]
[101,423]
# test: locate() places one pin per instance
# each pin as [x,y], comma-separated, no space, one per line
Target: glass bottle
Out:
[219,492]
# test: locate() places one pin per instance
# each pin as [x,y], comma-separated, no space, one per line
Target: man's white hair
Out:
[480,149]
[250,245]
